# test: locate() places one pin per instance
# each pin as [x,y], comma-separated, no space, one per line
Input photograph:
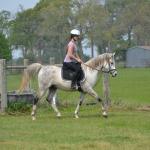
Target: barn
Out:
[138,56]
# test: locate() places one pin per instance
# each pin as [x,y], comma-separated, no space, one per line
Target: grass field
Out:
[131,86]
[125,128]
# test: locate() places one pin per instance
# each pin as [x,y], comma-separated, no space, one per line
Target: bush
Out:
[18,107]
[5,52]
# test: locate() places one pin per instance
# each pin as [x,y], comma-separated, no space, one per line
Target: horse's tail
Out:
[29,72]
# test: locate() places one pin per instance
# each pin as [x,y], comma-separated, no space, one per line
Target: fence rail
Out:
[16,67]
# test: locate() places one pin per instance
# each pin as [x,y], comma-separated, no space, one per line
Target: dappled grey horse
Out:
[50,79]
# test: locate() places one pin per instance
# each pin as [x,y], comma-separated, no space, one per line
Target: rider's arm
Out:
[70,54]
[78,57]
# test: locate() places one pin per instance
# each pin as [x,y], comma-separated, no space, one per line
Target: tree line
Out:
[108,25]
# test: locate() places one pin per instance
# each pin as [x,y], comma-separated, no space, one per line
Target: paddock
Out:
[127,126]
[28,95]
[124,129]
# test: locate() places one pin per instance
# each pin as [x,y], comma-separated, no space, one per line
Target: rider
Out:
[72,60]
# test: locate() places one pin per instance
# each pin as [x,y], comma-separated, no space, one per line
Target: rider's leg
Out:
[79,78]
[78,75]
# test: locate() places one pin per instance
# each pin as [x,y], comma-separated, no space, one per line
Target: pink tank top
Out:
[72,45]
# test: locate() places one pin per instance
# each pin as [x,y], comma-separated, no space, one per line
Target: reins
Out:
[92,67]
[99,69]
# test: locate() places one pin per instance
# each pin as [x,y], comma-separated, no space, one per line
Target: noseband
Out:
[109,71]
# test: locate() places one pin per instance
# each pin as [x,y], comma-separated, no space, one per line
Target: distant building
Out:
[138,56]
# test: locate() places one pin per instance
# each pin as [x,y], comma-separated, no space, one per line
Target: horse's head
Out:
[109,64]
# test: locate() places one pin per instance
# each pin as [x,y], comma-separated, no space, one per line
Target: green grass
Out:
[13,82]
[132,86]
[125,128]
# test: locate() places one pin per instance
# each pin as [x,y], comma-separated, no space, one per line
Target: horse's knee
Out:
[35,100]
[49,100]
[80,103]
[99,99]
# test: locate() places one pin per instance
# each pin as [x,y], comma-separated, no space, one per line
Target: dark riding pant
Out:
[76,68]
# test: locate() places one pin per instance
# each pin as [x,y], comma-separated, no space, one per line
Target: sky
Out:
[13,5]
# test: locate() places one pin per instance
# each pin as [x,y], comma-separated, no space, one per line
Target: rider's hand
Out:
[80,61]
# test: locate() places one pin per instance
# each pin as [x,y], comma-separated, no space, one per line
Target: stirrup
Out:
[73,86]
[80,89]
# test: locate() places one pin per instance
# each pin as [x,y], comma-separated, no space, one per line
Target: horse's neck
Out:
[92,66]
[99,61]
[91,75]
[95,62]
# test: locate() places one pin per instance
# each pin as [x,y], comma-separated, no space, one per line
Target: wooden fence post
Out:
[106,91]
[3,85]
[26,63]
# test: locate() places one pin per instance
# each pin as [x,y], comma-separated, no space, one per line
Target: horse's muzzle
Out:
[113,73]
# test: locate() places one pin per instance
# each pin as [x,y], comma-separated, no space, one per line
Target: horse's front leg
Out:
[79,104]
[88,89]
[35,101]
[95,95]
[105,106]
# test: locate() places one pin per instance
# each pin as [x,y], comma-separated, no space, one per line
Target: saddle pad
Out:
[69,74]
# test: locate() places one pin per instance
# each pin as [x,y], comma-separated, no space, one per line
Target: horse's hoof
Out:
[59,115]
[76,116]
[105,115]
[33,118]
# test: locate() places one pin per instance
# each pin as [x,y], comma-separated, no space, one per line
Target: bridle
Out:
[109,71]
[101,69]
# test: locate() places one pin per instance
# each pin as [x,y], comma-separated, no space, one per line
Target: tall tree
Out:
[55,27]
[23,31]
[91,17]
[5,52]
[4,22]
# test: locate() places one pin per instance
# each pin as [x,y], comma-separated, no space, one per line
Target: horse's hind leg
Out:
[35,101]
[52,100]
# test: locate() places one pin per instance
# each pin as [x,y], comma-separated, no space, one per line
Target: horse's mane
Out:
[100,59]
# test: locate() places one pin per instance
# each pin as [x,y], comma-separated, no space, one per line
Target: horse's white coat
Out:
[49,78]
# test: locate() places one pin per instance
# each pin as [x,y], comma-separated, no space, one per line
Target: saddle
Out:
[68,74]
